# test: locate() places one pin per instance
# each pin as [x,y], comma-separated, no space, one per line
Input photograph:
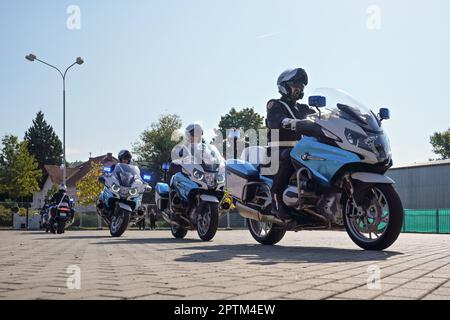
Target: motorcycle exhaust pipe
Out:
[253,214]
[167,219]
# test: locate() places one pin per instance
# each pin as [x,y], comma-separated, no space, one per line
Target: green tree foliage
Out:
[441,144]
[89,187]
[43,143]
[156,144]
[243,120]
[19,172]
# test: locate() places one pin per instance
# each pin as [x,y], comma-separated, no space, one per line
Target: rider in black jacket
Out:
[282,115]
[57,198]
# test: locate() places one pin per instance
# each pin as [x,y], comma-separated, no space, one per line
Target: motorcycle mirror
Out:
[384,114]
[317,101]
[101,180]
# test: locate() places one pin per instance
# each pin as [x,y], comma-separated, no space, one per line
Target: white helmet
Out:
[194,131]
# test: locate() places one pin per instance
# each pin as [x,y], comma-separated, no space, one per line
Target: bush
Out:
[5,216]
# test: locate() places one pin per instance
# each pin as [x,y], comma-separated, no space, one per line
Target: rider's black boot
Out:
[279,209]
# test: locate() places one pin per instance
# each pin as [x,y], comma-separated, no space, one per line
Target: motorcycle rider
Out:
[282,115]
[124,157]
[59,197]
[193,135]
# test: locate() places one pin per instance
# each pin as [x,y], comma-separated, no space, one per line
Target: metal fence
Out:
[427,221]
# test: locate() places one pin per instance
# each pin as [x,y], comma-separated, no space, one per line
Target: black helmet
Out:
[124,155]
[297,77]
[62,187]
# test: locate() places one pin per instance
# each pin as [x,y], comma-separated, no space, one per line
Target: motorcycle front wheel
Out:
[119,222]
[377,224]
[208,221]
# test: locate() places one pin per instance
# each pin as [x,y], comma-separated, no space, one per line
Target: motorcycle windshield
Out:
[341,105]
[126,174]
[205,155]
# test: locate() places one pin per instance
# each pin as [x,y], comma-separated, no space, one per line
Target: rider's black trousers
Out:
[285,170]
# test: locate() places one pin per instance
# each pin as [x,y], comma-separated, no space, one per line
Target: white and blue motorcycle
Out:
[195,198]
[339,182]
[120,202]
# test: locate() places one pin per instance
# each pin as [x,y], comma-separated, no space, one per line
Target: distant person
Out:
[152,216]
[141,224]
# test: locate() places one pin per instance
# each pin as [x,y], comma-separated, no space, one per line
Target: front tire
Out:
[265,233]
[119,222]
[208,221]
[380,224]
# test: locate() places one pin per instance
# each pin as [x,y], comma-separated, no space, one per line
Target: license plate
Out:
[63,214]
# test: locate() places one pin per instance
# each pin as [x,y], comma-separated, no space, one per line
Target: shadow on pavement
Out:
[168,240]
[258,254]
[264,255]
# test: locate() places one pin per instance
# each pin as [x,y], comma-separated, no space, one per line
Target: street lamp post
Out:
[79,61]
[234,135]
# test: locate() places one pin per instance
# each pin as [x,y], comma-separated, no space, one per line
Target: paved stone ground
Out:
[152,265]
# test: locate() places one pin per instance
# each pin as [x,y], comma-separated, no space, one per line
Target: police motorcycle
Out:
[58,217]
[340,180]
[120,202]
[195,198]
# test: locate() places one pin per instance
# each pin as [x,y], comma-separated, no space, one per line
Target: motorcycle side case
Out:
[162,195]
[238,176]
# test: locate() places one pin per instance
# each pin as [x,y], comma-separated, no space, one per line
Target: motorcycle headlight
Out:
[210,179]
[361,141]
[220,178]
[115,188]
[198,174]
[133,192]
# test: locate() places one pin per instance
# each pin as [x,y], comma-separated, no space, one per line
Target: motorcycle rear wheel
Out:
[178,232]
[265,233]
[60,227]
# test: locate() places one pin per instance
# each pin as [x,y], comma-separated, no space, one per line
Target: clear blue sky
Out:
[199,58]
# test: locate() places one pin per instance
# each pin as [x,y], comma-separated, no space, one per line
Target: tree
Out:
[156,144]
[243,120]
[441,144]
[43,143]
[89,188]
[19,172]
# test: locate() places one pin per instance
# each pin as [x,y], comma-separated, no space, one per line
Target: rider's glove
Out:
[289,124]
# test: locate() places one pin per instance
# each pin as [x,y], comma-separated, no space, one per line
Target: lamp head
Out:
[31,57]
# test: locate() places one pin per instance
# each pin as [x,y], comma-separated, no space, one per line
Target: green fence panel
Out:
[444,221]
[427,221]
